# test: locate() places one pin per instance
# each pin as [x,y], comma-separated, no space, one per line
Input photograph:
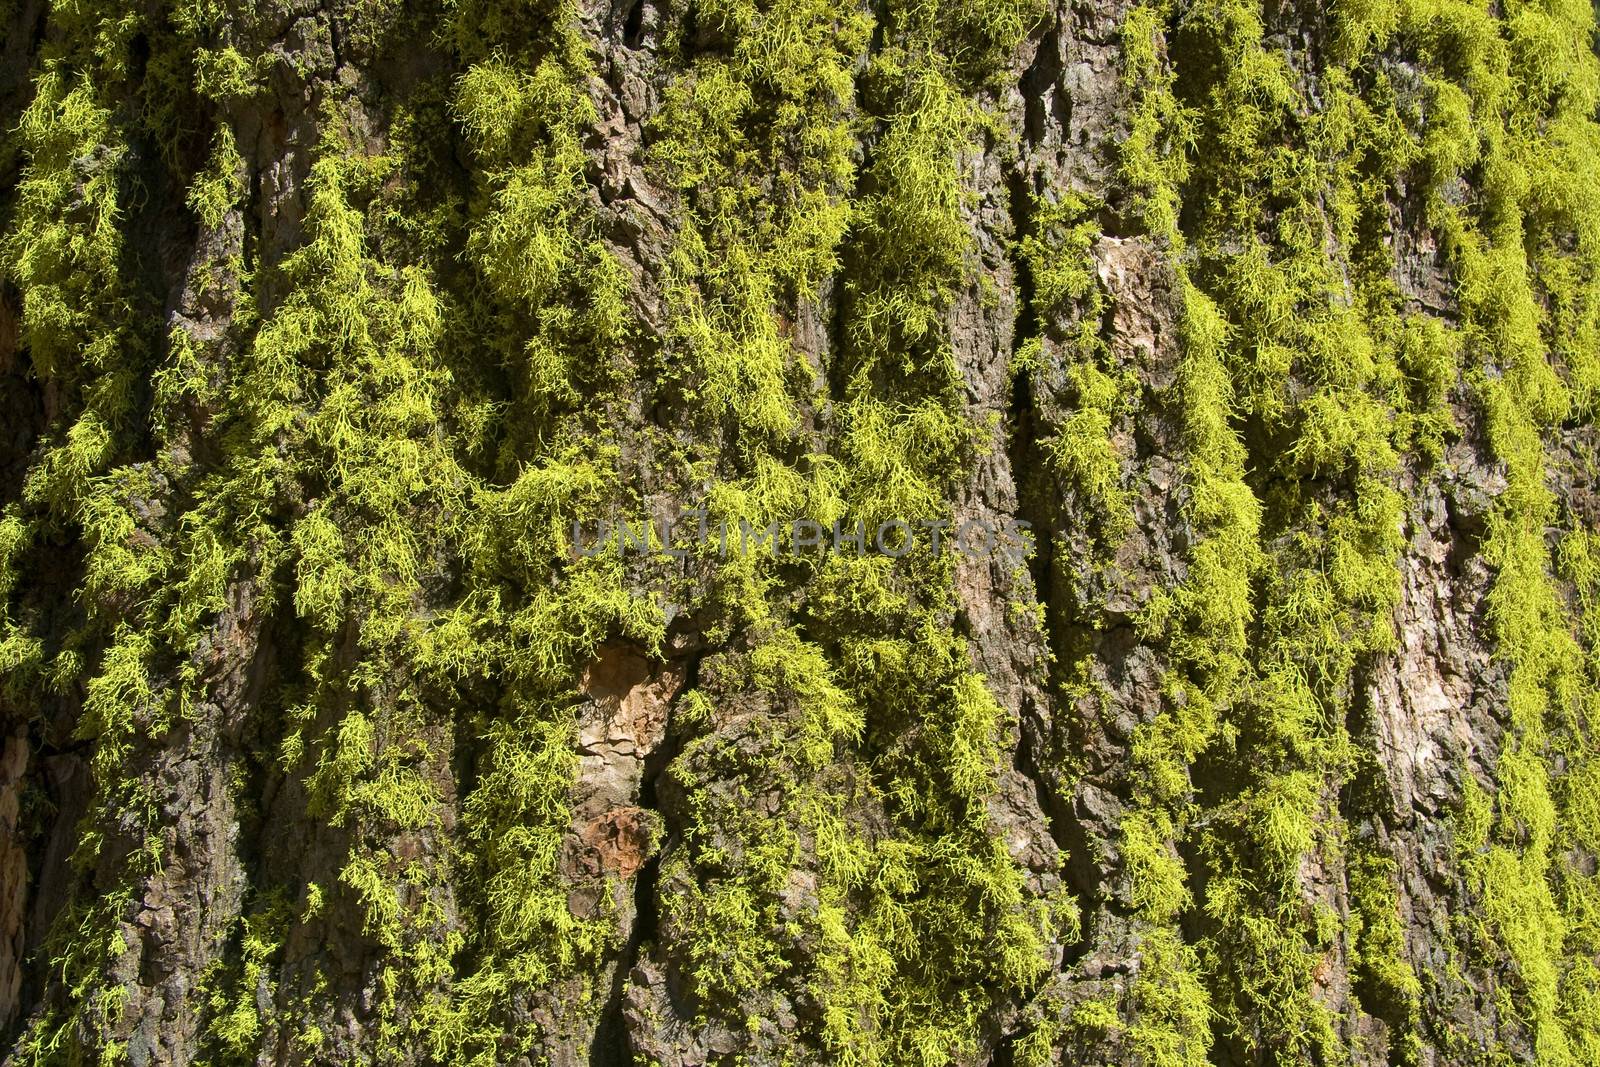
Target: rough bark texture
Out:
[323,741]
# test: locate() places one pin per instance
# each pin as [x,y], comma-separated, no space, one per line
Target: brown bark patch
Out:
[630,700]
[617,842]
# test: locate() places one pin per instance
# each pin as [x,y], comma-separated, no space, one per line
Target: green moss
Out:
[1172,1015]
[896,938]
[1523,281]
[449,370]
[236,992]
[1292,323]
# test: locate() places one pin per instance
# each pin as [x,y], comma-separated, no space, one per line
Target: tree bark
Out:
[1173,425]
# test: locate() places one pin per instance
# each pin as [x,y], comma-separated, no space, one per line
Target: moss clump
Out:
[908,919]
[1294,330]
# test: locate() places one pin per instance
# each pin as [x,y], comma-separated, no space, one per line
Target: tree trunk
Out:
[704,532]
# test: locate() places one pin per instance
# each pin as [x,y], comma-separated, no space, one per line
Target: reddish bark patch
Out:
[617,842]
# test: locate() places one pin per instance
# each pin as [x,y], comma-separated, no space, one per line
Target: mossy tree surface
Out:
[324,327]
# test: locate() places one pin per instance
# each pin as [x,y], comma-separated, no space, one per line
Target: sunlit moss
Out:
[442,375]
